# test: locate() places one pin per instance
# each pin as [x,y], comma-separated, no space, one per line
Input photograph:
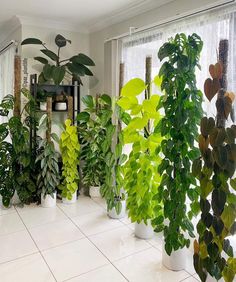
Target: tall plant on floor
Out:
[215,169]
[70,148]
[141,179]
[179,128]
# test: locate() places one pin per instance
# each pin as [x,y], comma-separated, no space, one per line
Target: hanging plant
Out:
[179,128]
[141,179]
[215,169]
[55,68]
[70,148]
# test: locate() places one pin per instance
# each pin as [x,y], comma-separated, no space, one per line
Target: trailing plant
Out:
[141,179]
[48,158]
[179,127]
[55,68]
[93,124]
[70,148]
[215,169]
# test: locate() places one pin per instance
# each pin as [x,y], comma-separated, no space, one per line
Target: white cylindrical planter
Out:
[94,192]
[60,106]
[212,279]
[43,106]
[176,261]
[72,201]
[48,201]
[113,214]
[144,231]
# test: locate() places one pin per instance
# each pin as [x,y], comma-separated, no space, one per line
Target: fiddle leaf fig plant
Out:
[54,67]
[179,128]
[215,169]
[70,148]
[141,179]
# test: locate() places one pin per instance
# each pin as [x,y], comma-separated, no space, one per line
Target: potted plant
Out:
[140,175]
[179,128]
[48,158]
[92,126]
[70,148]
[215,169]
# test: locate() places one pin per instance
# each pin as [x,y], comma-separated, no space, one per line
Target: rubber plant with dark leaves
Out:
[70,149]
[179,128]
[19,161]
[54,67]
[141,179]
[93,124]
[215,170]
[48,159]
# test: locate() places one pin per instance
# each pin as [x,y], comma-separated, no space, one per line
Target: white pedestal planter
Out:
[60,106]
[212,279]
[176,261]
[94,192]
[48,201]
[144,231]
[72,201]
[43,106]
[113,214]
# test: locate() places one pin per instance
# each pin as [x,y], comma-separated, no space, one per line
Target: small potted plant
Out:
[48,158]
[141,179]
[70,148]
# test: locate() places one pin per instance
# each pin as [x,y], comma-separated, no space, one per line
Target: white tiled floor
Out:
[79,243]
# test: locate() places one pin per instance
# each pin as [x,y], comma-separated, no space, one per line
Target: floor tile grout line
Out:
[37,247]
[98,250]
[18,258]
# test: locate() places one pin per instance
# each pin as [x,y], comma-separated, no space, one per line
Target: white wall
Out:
[162,13]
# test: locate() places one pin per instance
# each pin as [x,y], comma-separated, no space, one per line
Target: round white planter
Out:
[48,201]
[211,279]
[72,201]
[60,106]
[144,231]
[94,192]
[113,214]
[176,261]
[43,106]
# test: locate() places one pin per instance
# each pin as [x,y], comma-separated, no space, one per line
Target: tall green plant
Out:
[215,169]
[179,127]
[70,148]
[55,68]
[141,179]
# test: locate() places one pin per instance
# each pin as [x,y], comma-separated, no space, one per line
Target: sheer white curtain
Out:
[212,27]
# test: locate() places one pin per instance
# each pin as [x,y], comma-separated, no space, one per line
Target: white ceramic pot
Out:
[113,214]
[94,192]
[48,201]
[144,231]
[43,106]
[211,279]
[72,201]
[176,261]
[60,106]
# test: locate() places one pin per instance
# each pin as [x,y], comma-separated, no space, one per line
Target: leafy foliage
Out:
[140,176]
[54,68]
[215,170]
[182,106]
[70,148]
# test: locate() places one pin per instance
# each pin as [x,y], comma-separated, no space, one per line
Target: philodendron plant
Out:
[54,67]
[93,124]
[70,149]
[179,128]
[215,170]
[141,179]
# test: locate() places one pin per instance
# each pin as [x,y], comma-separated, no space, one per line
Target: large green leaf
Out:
[48,71]
[31,41]
[58,74]
[83,59]
[41,60]
[133,88]
[88,101]
[61,41]
[50,54]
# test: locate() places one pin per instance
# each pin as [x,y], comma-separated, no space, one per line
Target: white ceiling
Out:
[87,15]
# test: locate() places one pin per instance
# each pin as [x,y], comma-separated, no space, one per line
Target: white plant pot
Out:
[94,192]
[212,279]
[48,201]
[176,261]
[113,214]
[144,231]
[72,201]
[43,106]
[60,106]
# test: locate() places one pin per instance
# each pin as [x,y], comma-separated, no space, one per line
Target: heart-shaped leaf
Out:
[216,70]
[231,95]
[211,87]
[207,125]
[218,225]
[218,201]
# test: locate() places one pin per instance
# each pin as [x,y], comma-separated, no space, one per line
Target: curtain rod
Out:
[133,30]
[8,45]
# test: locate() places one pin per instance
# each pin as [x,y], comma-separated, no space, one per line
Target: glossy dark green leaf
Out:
[218,201]
[83,59]
[50,54]
[41,60]
[58,74]
[31,41]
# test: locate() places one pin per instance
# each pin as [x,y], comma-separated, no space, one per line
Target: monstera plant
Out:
[179,128]
[215,169]
[141,178]
[54,67]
